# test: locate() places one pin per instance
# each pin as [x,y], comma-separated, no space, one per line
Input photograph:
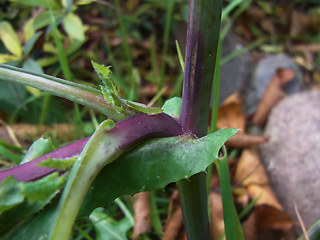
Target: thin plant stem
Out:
[154,216]
[181,60]
[44,109]
[215,107]
[233,230]
[125,210]
[216,90]
[124,36]
[64,63]
[177,87]
[170,8]
[153,57]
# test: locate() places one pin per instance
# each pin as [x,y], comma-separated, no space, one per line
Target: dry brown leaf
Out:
[230,114]
[271,217]
[151,89]
[249,228]
[250,170]
[299,24]
[265,194]
[174,226]
[313,47]
[173,204]
[28,132]
[217,223]
[243,140]
[272,95]
[142,222]
[267,25]
[25,131]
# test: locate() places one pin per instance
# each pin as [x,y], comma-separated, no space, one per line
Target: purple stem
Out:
[202,41]
[138,127]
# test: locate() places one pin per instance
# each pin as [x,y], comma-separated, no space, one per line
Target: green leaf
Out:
[156,163]
[111,93]
[44,188]
[38,148]
[62,164]
[12,95]
[10,195]
[232,224]
[39,21]
[67,4]
[29,198]
[10,39]
[54,4]
[172,107]
[32,66]
[152,165]
[13,157]
[30,43]
[109,89]
[5,58]
[73,26]
[107,228]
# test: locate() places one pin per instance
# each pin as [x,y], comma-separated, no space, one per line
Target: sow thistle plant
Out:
[138,148]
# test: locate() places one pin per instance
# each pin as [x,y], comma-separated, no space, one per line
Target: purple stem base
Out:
[138,127]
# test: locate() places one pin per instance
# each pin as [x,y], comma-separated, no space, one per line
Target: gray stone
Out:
[292,155]
[262,76]
[234,73]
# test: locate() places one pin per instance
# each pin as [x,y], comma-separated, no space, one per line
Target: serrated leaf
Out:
[172,107]
[110,92]
[152,165]
[37,195]
[10,39]
[103,73]
[62,164]
[38,148]
[73,26]
[42,189]
[108,88]
[156,163]
[10,194]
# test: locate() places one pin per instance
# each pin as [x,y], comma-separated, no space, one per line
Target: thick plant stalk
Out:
[201,51]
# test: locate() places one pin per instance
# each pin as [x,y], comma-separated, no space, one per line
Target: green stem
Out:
[233,230]
[170,8]
[127,52]
[201,51]
[216,88]
[84,95]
